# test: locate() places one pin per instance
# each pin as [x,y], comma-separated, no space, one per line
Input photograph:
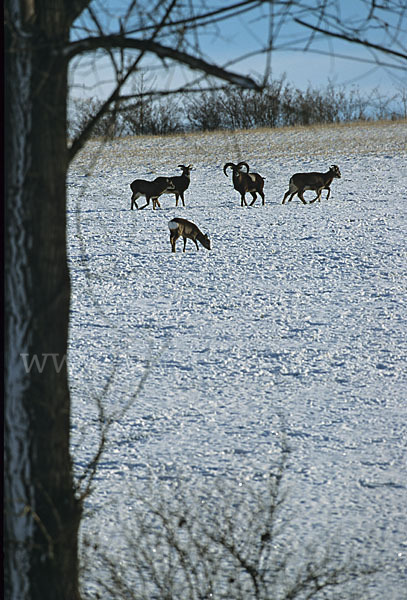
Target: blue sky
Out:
[323,62]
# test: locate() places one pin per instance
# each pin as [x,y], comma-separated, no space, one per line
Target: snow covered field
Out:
[292,327]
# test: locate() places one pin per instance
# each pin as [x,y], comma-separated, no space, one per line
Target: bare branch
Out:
[76,7]
[85,134]
[196,21]
[161,51]
[353,40]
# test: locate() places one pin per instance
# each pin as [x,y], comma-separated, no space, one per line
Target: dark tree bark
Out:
[41,512]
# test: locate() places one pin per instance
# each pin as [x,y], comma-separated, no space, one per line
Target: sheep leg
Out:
[317,197]
[173,239]
[263,200]
[146,204]
[300,196]
[243,200]
[179,195]
[185,243]
[254,198]
[133,200]
[287,194]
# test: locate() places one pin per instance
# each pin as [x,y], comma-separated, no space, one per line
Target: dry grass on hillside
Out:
[160,152]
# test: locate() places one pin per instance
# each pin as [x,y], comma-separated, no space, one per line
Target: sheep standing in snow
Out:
[152,190]
[180,182]
[311,181]
[251,183]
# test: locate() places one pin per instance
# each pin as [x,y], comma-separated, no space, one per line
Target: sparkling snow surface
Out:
[293,326]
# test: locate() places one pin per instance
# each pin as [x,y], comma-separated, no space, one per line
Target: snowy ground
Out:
[294,325]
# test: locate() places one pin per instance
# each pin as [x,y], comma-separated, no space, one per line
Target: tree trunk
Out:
[41,512]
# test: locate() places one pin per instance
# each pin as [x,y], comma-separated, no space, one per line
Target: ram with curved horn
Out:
[245,182]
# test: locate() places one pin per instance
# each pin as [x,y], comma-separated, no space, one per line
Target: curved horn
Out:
[243,164]
[182,166]
[231,165]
